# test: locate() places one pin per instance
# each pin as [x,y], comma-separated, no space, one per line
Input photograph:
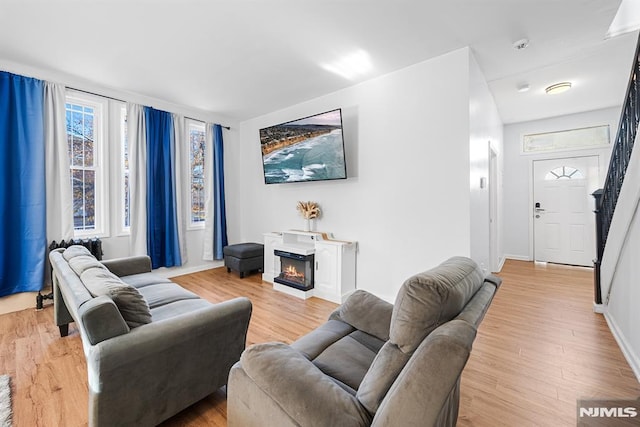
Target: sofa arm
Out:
[177,361]
[129,265]
[366,312]
[101,319]
[298,387]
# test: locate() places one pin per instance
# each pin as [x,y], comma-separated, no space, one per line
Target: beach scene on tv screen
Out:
[309,149]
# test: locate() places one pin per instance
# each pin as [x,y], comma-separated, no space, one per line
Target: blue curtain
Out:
[162,219]
[22,183]
[219,211]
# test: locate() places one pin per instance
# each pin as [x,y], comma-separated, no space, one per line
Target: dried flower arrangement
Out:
[309,210]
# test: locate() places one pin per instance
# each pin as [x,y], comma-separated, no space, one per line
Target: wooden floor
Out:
[539,349]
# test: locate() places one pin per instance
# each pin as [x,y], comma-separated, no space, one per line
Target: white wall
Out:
[517,187]
[406,200]
[620,271]
[622,311]
[485,130]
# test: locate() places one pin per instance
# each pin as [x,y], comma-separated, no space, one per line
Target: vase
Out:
[307,224]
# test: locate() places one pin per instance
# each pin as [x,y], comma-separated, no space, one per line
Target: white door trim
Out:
[494,214]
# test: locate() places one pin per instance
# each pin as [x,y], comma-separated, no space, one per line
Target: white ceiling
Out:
[243,58]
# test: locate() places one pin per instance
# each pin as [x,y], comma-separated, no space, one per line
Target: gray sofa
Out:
[152,347]
[372,363]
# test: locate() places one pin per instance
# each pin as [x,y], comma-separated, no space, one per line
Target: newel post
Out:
[599,246]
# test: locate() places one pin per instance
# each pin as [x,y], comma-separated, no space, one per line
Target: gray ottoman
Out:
[244,257]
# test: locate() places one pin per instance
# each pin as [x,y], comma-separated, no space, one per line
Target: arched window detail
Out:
[564,172]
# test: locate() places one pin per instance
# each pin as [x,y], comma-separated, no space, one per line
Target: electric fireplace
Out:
[296,270]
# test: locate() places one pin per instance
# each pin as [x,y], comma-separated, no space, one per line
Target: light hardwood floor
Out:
[539,348]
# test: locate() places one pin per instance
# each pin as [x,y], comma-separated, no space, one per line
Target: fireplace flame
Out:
[290,273]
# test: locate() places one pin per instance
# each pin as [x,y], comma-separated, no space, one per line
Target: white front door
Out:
[563,218]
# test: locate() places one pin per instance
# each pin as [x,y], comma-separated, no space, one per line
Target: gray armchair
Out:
[371,363]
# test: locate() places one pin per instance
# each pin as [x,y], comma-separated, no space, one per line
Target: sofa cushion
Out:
[432,298]
[144,279]
[130,303]
[81,263]
[164,293]
[178,308]
[75,250]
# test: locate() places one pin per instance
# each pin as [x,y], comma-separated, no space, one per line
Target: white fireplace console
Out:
[334,269]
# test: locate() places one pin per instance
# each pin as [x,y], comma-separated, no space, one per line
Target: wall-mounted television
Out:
[306,149]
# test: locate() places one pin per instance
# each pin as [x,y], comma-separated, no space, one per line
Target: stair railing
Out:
[607,198]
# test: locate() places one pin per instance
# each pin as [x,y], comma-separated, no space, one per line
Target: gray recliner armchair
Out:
[371,363]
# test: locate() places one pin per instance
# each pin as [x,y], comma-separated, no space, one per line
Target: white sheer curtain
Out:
[207,252]
[58,184]
[181,176]
[137,142]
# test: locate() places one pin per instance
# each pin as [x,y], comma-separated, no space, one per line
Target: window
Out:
[563,172]
[196,173]
[565,140]
[84,139]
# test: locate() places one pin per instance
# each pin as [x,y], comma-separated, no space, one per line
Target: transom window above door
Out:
[564,172]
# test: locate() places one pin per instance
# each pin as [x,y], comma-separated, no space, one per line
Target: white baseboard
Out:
[518,257]
[17,302]
[599,308]
[627,350]
[293,292]
[501,262]
[179,271]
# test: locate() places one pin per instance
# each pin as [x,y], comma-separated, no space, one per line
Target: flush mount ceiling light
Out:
[558,88]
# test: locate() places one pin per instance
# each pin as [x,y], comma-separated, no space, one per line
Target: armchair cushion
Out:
[419,394]
[299,388]
[347,360]
[382,372]
[368,313]
[432,298]
[315,342]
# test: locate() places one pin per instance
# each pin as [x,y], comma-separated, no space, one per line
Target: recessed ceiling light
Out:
[558,88]
[524,87]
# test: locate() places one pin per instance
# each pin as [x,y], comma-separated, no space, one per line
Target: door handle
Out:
[539,210]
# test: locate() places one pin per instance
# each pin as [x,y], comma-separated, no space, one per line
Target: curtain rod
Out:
[122,100]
